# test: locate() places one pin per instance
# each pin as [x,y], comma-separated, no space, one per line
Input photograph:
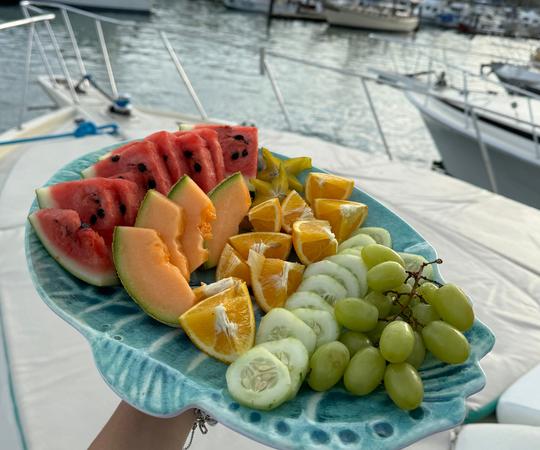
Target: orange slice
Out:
[273,280]
[266,216]
[222,326]
[231,264]
[204,291]
[294,208]
[313,240]
[271,245]
[344,216]
[324,185]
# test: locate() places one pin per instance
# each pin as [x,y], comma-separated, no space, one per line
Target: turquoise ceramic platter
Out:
[157,370]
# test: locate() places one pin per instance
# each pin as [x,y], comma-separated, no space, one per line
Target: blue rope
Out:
[85,128]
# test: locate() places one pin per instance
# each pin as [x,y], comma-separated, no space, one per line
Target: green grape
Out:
[416,358]
[427,292]
[445,342]
[327,365]
[454,307]
[397,295]
[386,276]
[375,334]
[382,302]
[354,341]
[414,301]
[404,386]
[365,371]
[356,314]
[376,253]
[397,342]
[424,313]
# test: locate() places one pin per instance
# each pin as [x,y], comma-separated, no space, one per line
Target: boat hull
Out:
[517,177]
[353,19]
[144,6]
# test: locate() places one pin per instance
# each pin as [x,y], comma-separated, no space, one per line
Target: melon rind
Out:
[89,172]
[231,188]
[44,198]
[69,264]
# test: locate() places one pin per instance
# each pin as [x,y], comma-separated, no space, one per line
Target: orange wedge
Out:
[344,216]
[271,245]
[266,216]
[222,326]
[231,264]
[324,185]
[294,208]
[313,240]
[273,280]
[204,291]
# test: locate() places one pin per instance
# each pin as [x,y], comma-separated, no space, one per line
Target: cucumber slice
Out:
[327,287]
[380,235]
[280,323]
[344,276]
[357,266]
[259,380]
[413,263]
[356,251]
[322,323]
[360,240]
[307,300]
[293,354]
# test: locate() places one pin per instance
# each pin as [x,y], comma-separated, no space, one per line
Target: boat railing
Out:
[36,7]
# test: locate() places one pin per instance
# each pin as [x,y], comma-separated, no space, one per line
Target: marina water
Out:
[219,49]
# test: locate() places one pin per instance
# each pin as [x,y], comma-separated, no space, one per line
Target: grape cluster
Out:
[389,330]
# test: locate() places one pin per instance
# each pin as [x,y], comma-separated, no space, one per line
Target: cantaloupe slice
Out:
[232,202]
[143,265]
[168,219]
[199,214]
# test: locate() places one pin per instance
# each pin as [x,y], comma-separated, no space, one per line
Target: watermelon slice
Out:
[141,157]
[164,142]
[214,147]
[101,203]
[240,146]
[77,248]
[195,152]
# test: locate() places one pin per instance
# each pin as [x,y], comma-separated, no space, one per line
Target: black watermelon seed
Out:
[188,154]
[101,213]
[97,201]
[93,219]
[115,158]
[239,137]
[235,156]
[141,167]
[122,208]
[244,153]
[151,184]
[165,158]
[84,225]
[121,177]
[197,167]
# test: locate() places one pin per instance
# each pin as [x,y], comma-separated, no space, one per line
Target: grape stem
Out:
[417,276]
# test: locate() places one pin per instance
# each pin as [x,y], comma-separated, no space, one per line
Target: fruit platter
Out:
[291,306]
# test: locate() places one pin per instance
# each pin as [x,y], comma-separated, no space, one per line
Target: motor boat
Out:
[521,76]
[51,394]
[141,6]
[286,9]
[373,16]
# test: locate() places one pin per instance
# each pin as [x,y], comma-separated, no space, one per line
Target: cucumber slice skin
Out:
[380,235]
[327,287]
[322,323]
[280,323]
[413,262]
[306,299]
[340,273]
[355,251]
[357,266]
[240,387]
[360,240]
[292,353]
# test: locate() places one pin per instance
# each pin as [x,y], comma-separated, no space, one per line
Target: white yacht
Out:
[287,9]
[51,394]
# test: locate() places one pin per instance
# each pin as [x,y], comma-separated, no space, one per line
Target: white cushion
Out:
[520,403]
[494,436]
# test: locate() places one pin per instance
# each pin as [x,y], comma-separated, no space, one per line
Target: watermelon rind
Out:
[44,198]
[70,264]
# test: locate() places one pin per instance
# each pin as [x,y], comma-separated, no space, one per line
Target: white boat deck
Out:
[490,245]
